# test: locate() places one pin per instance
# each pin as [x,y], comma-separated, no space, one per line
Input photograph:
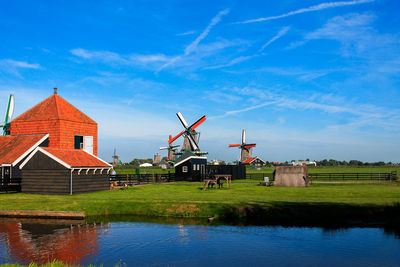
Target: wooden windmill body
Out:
[245,149]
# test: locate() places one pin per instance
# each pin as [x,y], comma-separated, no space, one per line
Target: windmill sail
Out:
[9,114]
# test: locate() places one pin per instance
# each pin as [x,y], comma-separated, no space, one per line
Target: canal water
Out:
[180,244]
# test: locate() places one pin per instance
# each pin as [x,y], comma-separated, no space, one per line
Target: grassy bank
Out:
[244,200]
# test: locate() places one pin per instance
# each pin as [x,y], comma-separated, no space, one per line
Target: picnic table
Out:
[216,181]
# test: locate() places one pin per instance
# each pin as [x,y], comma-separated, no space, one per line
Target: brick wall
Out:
[61,132]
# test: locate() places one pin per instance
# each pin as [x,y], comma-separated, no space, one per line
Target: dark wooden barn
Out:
[14,149]
[63,171]
[237,171]
[190,167]
[256,161]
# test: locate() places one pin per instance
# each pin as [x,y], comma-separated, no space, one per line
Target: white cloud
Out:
[282,32]
[310,9]
[13,66]
[193,45]
[115,58]
[185,33]
[231,63]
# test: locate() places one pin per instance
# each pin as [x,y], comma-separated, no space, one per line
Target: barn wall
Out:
[43,175]
[90,182]
[237,171]
[52,182]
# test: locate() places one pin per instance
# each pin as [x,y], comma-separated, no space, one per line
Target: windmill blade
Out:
[182,119]
[234,145]
[193,143]
[198,122]
[249,145]
[176,137]
[243,136]
[10,110]
[164,148]
[174,147]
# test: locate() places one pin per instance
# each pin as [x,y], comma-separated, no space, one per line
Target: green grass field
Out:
[184,199]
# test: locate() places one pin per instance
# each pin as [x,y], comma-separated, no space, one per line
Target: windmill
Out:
[191,139]
[116,161]
[245,149]
[9,113]
[171,150]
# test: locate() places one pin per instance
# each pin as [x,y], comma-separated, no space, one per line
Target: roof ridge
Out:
[55,101]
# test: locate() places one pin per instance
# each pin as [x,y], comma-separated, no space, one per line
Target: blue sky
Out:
[306,79]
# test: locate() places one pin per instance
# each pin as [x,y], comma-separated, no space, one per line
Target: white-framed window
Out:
[184,169]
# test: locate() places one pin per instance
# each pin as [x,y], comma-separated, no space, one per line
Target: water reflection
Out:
[176,243]
[28,241]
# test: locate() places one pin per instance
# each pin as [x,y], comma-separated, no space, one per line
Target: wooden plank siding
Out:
[54,182]
[43,175]
[90,182]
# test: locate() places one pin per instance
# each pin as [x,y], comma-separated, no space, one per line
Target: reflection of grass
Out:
[185,199]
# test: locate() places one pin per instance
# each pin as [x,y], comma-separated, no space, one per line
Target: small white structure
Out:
[300,163]
[146,165]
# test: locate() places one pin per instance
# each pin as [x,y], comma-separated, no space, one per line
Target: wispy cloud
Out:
[231,63]
[115,58]
[18,64]
[186,33]
[237,111]
[310,9]
[13,66]
[281,33]
[357,36]
[358,115]
[193,45]
[240,59]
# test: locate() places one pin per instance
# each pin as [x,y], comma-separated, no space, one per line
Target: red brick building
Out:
[52,149]
[67,126]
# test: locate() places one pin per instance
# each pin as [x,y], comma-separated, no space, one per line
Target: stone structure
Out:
[291,176]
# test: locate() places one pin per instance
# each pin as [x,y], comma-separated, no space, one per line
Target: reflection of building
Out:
[43,243]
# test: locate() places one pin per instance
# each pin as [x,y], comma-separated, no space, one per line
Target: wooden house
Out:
[63,171]
[190,167]
[256,161]
[13,150]
[52,150]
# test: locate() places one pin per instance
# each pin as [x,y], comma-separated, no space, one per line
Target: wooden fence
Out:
[135,179]
[358,176]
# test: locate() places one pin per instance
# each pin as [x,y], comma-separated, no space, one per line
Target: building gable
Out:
[41,161]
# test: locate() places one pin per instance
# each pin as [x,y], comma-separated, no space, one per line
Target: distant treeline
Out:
[325,162]
[352,163]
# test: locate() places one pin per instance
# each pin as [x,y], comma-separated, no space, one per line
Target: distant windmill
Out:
[116,161]
[190,135]
[245,149]
[9,112]
[171,150]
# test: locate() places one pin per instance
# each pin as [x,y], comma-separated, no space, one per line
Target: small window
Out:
[184,169]
[194,167]
[78,142]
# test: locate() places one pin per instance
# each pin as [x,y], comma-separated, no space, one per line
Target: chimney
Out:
[55,90]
